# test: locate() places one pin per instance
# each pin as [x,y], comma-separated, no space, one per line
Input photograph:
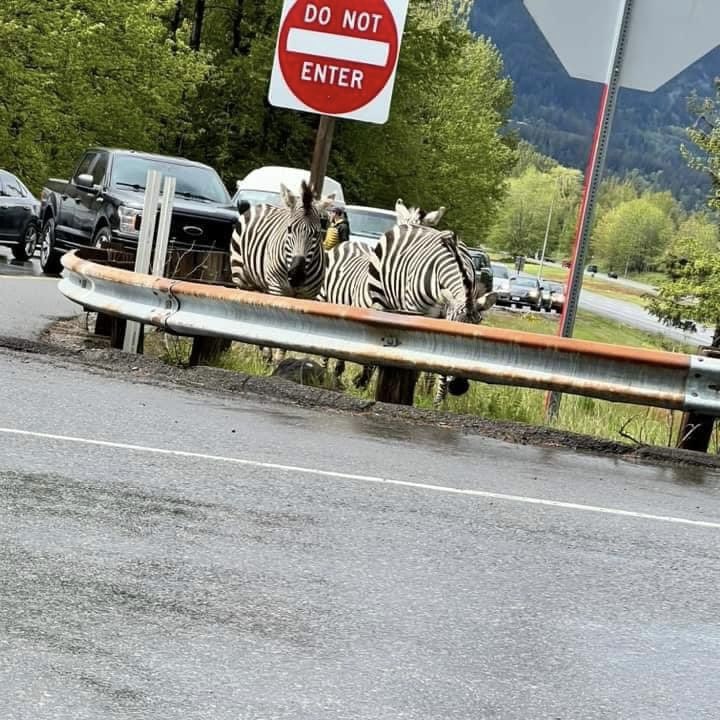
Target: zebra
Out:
[279,250]
[420,270]
[346,276]
[345,283]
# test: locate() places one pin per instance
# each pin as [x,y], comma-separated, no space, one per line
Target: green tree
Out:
[691,294]
[632,235]
[81,73]
[522,220]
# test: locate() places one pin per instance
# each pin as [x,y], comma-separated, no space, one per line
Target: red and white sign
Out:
[338,57]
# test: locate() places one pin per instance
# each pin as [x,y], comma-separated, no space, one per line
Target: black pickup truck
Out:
[101,205]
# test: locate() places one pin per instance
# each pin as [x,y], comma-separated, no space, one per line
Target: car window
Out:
[526,282]
[258,197]
[500,271]
[368,223]
[84,167]
[98,171]
[12,187]
[480,261]
[194,182]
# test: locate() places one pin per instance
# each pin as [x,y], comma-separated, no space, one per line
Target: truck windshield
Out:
[197,183]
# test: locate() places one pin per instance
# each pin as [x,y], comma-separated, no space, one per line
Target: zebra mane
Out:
[308,195]
[450,242]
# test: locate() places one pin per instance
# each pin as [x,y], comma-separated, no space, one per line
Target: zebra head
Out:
[462,304]
[303,240]
[417,216]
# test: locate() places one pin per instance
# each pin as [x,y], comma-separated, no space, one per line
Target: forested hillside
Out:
[556,112]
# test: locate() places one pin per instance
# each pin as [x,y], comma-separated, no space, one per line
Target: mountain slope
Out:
[557,113]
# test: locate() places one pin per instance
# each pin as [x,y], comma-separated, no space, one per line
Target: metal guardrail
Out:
[622,374]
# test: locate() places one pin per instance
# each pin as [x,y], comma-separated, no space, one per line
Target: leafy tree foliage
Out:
[191,77]
[630,235]
[80,73]
[691,294]
[522,220]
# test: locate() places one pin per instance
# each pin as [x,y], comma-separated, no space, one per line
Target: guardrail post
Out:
[696,429]
[396,385]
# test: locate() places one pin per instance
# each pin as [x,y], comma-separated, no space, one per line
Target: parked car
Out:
[566,263]
[368,224]
[553,296]
[525,292]
[592,269]
[262,185]
[612,274]
[19,216]
[483,269]
[557,299]
[501,282]
[102,205]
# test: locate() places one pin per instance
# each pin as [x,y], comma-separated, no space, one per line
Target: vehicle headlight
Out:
[533,293]
[129,219]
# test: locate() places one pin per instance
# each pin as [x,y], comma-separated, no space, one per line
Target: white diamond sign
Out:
[664,37]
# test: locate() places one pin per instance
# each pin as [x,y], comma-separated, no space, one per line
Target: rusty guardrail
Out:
[622,374]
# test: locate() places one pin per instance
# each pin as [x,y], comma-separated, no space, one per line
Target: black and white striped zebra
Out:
[279,250]
[419,270]
[346,275]
[346,283]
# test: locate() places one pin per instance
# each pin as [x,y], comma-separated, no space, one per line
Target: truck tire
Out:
[102,237]
[49,256]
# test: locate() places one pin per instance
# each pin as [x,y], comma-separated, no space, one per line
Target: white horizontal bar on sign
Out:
[338,47]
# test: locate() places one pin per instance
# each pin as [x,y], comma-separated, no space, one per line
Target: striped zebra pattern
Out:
[279,250]
[346,283]
[419,270]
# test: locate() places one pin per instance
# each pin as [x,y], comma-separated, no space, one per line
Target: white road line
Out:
[338,47]
[366,478]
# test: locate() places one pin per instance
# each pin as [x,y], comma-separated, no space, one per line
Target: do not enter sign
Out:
[338,57]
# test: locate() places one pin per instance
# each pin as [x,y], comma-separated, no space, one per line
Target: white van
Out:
[263,185]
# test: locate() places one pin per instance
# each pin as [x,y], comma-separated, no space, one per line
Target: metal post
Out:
[144,248]
[593,177]
[547,233]
[163,233]
[321,154]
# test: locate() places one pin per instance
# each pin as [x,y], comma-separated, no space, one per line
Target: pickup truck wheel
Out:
[25,249]
[102,238]
[49,257]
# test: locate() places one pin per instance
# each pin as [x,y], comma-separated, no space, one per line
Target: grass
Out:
[597,418]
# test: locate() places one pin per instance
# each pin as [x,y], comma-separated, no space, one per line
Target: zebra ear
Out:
[402,214]
[434,217]
[324,203]
[288,197]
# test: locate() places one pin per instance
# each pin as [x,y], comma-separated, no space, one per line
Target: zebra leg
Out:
[427,382]
[362,380]
[441,391]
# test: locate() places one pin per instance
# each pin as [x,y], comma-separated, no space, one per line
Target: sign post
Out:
[323,143]
[639,44]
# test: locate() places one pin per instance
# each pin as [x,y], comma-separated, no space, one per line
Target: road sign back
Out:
[338,58]
[665,36]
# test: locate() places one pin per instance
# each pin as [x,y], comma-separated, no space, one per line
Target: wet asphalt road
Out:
[29,301]
[224,559]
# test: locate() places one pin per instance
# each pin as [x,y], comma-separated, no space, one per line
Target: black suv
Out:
[101,205]
[483,268]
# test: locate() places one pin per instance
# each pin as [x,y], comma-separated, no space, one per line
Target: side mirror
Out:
[84,181]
